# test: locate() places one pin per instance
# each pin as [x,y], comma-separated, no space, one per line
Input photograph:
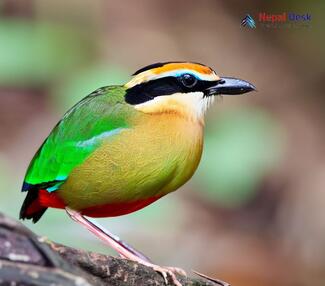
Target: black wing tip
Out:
[35,217]
[30,199]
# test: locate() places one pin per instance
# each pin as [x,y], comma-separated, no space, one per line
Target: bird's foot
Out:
[168,271]
[177,270]
[164,271]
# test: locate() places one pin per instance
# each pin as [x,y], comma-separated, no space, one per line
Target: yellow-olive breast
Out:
[154,157]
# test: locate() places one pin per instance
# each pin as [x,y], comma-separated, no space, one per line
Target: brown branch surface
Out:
[26,259]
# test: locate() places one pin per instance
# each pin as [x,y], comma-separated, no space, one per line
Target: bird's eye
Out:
[188,80]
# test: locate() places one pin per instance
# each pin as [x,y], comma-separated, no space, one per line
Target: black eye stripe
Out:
[163,86]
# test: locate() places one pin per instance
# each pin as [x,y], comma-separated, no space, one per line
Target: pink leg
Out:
[121,247]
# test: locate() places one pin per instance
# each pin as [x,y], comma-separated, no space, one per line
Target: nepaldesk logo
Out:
[248,21]
[283,17]
[281,20]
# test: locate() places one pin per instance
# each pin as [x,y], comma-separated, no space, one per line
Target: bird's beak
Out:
[230,86]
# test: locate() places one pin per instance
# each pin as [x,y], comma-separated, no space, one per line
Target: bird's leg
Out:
[122,248]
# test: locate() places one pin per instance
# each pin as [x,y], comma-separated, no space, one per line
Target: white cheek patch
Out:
[193,104]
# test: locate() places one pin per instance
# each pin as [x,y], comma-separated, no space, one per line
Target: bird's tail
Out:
[32,208]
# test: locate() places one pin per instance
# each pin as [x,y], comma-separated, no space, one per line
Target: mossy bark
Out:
[26,259]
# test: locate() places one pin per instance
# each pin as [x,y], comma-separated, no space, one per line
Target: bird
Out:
[123,147]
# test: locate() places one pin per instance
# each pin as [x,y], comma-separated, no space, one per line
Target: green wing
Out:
[101,114]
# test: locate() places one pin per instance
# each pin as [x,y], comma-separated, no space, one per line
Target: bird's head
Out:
[180,87]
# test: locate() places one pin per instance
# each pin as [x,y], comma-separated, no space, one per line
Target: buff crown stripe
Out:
[177,66]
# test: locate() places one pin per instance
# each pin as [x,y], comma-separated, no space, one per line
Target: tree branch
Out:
[26,259]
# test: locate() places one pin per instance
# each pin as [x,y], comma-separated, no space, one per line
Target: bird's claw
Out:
[165,271]
[177,270]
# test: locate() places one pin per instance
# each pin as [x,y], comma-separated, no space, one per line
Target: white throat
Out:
[192,104]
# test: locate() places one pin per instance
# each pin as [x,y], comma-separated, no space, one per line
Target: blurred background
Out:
[253,214]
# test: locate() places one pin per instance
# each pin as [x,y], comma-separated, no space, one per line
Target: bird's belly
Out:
[117,209]
[134,169]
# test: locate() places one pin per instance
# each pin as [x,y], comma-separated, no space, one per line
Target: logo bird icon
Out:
[248,21]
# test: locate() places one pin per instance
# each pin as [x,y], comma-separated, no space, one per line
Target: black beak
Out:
[231,86]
